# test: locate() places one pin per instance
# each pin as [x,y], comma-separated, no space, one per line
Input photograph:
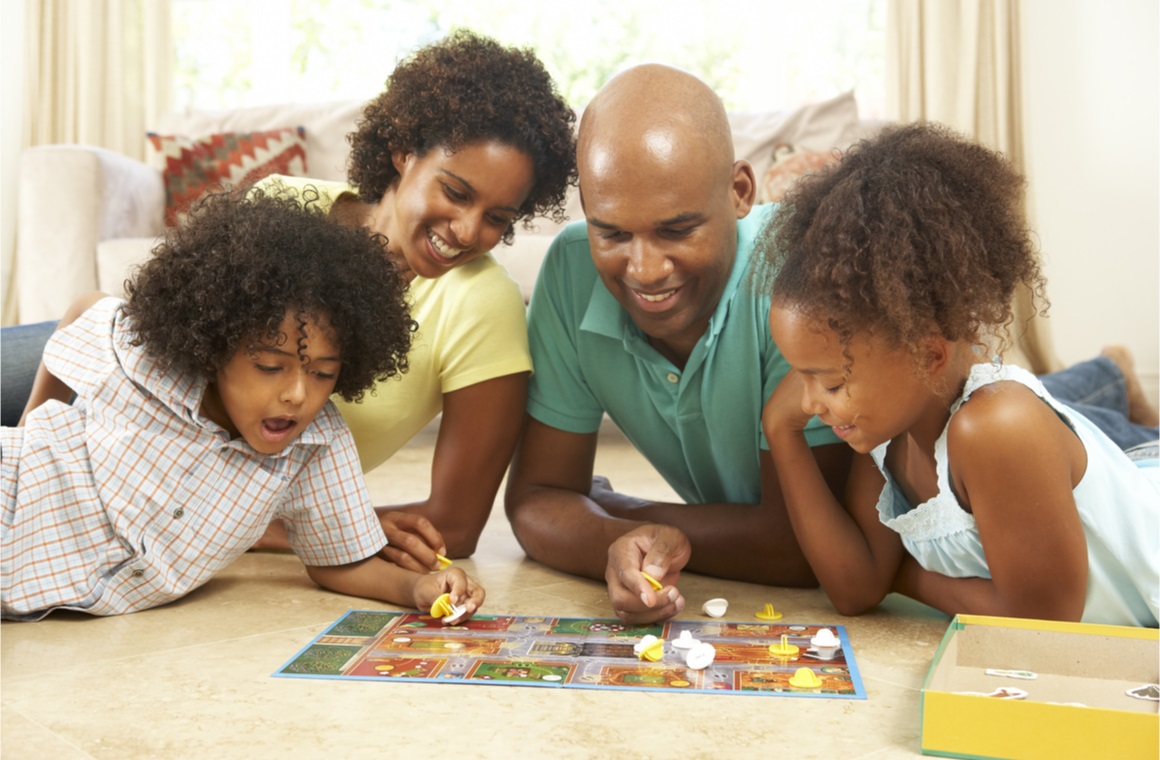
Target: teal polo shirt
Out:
[700,426]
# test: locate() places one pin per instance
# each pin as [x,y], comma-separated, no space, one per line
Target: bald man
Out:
[643,311]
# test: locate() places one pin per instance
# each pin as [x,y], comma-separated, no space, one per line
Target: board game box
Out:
[577,653]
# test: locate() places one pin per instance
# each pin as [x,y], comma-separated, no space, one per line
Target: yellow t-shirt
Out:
[472,328]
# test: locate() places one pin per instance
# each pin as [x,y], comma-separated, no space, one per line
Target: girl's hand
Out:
[783,411]
[463,590]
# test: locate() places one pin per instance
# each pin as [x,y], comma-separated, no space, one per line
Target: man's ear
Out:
[743,188]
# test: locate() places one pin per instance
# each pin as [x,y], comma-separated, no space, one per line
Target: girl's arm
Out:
[47,386]
[375,578]
[477,435]
[854,556]
[1014,464]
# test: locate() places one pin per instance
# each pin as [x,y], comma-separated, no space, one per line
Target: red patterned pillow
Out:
[192,166]
[791,163]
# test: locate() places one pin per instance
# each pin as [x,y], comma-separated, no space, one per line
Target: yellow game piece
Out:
[654,651]
[652,581]
[783,649]
[444,563]
[441,607]
[805,678]
[767,613]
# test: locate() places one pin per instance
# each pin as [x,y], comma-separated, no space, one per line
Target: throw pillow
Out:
[192,166]
[791,163]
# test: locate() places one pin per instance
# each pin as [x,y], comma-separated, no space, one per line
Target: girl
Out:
[202,410]
[972,489]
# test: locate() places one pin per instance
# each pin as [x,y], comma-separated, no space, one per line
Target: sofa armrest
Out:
[69,199]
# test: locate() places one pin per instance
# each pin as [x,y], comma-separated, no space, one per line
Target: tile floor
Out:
[193,679]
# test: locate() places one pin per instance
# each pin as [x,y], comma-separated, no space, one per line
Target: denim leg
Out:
[1097,389]
[21,347]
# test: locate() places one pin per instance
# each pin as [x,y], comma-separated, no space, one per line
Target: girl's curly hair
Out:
[463,89]
[225,279]
[917,230]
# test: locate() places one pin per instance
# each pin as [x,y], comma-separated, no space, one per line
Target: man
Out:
[649,317]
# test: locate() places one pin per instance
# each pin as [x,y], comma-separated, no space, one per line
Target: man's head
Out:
[662,196]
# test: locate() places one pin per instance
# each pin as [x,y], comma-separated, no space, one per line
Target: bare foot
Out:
[1140,410]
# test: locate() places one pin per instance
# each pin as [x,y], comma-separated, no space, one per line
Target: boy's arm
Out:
[47,386]
[854,556]
[376,578]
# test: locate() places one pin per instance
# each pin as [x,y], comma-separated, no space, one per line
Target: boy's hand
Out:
[463,590]
[659,550]
[412,541]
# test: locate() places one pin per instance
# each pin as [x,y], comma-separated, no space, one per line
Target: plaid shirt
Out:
[129,498]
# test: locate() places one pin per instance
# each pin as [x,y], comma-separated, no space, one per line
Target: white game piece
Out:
[551,677]
[825,644]
[457,611]
[701,656]
[647,641]
[715,607]
[685,640]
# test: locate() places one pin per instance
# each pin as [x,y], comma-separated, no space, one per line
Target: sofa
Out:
[86,217]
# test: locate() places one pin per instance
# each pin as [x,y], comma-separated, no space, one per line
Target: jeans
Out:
[1097,389]
[20,349]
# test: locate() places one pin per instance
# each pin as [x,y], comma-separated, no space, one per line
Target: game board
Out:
[571,653]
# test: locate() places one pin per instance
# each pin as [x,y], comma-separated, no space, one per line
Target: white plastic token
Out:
[457,611]
[824,638]
[715,607]
[551,677]
[401,640]
[647,641]
[700,656]
[685,640]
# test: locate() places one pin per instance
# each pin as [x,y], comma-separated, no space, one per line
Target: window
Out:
[757,54]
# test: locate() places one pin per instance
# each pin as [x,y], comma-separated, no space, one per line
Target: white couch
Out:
[87,216]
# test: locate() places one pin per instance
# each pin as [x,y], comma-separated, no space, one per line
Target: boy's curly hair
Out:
[463,89]
[224,281]
[917,230]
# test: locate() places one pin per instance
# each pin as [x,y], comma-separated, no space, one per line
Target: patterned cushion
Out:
[192,166]
[791,163]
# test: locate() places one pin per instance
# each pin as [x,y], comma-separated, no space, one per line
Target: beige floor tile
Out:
[193,679]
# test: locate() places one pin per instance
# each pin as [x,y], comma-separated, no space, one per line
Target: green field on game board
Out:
[572,653]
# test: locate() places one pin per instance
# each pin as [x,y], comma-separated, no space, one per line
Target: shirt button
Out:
[673,377]
[138,573]
[179,513]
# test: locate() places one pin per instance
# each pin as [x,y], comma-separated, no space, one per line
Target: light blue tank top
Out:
[1118,502]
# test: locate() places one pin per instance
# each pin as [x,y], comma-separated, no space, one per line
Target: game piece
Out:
[784,648]
[653,651]
[805,678]
[685,641]
[645,641]
[715,607]
[1148,691]
[700,656]
[1026,675]
[657,586]
[825,644]
[441,607]
[444,563]
[767,613]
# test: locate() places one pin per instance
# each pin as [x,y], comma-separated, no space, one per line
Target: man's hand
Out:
[412,541]
[659,550]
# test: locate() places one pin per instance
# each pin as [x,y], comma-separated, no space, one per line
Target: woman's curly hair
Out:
[463,89]
[224,281]
[917,230]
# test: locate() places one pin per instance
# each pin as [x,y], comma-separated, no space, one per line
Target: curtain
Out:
[957,62]
[96,72]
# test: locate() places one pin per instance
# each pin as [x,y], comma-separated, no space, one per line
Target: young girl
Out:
[972,489]
[202,410]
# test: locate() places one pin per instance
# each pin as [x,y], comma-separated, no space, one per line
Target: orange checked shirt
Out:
[129,498]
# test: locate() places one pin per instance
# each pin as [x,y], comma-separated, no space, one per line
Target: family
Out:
[816,380]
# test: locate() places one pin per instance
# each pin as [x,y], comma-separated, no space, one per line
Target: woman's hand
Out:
[453,581]
[412,541]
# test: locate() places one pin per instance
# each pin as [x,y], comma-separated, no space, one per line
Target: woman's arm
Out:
[854,556]
[1014,464]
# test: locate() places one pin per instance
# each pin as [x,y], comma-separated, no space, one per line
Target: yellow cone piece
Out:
[805,678]
[654,651]
[767,613]
[441,607]
[784,648]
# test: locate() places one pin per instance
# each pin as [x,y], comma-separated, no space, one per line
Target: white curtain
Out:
[957,62]
[96,72]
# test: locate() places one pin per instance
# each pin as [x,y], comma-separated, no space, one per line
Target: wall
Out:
[1093,134]
[11,85]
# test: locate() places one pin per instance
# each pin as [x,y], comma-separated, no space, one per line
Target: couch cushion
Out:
[118,260]
[192,166]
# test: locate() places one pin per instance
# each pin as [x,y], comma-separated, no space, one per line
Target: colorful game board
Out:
[572,653]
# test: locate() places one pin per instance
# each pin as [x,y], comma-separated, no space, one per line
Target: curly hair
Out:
[914,231]
[225,280]
[463,89]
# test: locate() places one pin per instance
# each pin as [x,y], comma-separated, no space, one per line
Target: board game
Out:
[576,653]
